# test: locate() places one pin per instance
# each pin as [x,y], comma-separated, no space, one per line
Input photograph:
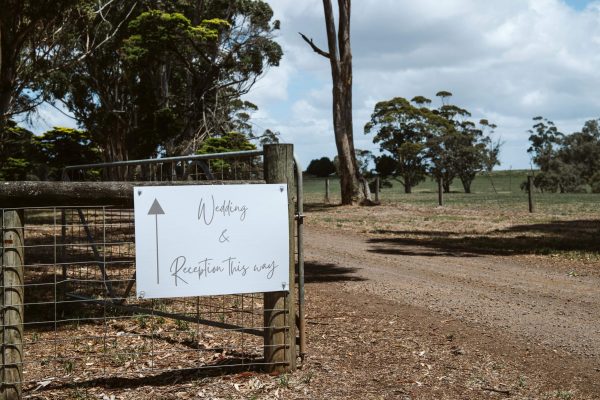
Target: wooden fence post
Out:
[12,304]
[440,192]
[326,190]
[377,189]
[530,193]
[280,307]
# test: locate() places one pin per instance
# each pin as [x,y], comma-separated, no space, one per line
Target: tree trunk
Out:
[7,78]
[446,185]
[350,178]
[115,149]
[407,188]
[5,102]
[340,57]
[466,184]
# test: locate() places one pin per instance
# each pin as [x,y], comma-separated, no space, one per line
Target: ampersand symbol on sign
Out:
[223,238]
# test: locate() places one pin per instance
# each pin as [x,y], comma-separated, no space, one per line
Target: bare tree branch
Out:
[314,46]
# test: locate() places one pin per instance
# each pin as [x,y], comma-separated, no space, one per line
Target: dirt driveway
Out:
[510,329]
[390,319]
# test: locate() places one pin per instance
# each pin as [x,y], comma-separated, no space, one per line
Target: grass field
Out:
[498,191]
[494,219]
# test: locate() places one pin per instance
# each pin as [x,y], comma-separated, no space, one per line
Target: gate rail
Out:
[187,164]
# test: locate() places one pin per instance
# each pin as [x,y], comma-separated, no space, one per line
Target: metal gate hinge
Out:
[300,218]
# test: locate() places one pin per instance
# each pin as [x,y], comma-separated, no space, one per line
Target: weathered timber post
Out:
[280,307]
[440,192]
[326,190]
[377,189]
[530,193]
[12,304]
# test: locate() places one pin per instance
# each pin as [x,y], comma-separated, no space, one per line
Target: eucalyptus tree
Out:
[60,147]
[462,148]
[545,139]
[566,162]
[443,142]
[16,151]
[492,156]
[339,53]
[444,145]
[200,70]
[99,92]
[173,76]
[401,129]
[321,167]
[582,150]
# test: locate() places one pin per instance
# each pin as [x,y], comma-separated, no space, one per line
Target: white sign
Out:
[210,240]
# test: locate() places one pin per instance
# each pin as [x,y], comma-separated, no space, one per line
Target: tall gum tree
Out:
[353,186]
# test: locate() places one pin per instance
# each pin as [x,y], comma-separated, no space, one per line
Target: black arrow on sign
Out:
[156,210]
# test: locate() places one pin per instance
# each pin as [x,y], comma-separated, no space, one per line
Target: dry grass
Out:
[570,239]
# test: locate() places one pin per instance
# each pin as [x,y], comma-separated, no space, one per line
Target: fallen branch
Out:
[491,389]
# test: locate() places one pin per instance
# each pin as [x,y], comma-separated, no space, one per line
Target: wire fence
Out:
[81,322]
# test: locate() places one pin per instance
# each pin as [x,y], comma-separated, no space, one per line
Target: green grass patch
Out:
[499,191]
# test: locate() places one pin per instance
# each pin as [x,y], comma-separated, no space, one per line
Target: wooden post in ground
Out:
[530,193]
[280,307]
[440,192]
[377,189]
[327,190]
[12,304]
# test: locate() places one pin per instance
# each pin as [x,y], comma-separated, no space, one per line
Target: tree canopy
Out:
[37,42]
[163,77]
[416,140]
[24,156]
[567,162]
[321,167]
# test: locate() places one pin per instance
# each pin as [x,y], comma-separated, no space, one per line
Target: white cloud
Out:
[47,117]
[273,86]
[505,60]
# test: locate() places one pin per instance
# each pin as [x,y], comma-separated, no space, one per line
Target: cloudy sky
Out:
[504,60]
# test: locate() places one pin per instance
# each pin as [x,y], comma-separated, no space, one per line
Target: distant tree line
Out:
[567,163]
[417,140]
[25,156]
[321,167]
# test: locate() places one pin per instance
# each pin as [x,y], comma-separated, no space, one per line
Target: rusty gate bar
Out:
[99,262]
[142,310]
[300,250]
[199,158]
[42,193]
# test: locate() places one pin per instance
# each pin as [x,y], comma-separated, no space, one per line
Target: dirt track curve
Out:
[534,304]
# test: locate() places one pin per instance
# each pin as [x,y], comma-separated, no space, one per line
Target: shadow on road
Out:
[548,238]
[316,272]
[230,366]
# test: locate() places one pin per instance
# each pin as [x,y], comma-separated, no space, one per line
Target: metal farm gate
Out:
[69,315]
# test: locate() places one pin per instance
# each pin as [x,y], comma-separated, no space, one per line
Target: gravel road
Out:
[536,304]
